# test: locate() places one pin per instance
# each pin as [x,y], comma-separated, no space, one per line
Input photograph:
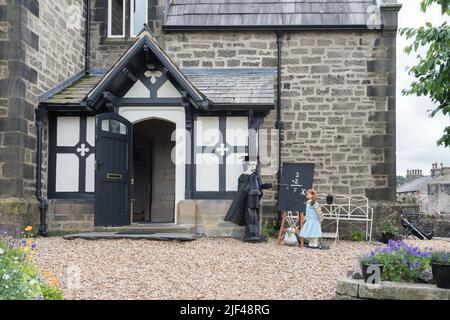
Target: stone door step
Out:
[149,228]
[133,236]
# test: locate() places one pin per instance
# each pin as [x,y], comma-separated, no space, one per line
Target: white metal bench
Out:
[350,209]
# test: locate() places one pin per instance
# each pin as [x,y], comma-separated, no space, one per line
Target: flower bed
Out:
[401,262]
[19,278]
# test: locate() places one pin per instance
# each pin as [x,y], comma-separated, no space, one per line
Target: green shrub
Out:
[356,236]
[269,228]
[441,258]
[51,292]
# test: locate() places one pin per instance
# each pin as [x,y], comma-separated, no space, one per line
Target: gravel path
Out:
[203,269]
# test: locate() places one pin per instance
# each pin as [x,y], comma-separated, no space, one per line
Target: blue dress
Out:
[311,228]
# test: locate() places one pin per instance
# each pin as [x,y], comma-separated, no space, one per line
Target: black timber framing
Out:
[53,150]
[254,121]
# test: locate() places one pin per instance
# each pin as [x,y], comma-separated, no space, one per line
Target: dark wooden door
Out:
[113,146]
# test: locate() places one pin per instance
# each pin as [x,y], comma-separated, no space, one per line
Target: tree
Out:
[433,71]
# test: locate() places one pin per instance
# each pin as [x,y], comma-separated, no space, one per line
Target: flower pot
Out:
[385,237]
[441,274]
[366,274]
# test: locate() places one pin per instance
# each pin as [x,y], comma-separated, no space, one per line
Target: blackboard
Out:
[296,178]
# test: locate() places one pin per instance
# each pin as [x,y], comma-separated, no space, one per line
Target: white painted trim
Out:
[177,116]
[134,33]
[110,35]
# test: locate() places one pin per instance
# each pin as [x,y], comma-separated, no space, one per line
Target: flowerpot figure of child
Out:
[312,229]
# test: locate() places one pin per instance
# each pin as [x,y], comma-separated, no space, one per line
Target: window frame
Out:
[53,150]
[133,33]
[110,35]
[222,193]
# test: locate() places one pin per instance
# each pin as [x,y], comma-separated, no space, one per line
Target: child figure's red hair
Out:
[313,194]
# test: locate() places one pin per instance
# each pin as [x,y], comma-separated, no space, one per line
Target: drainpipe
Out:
[87,57]
[43,204]
[279,34]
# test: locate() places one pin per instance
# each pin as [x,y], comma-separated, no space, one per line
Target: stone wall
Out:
[207,216]
[105,52]
[70,215]
[338,100]
[348,289]
[41,45]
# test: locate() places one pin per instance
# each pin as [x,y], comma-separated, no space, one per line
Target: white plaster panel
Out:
[67,169]
[234,169]
[138,90]
[207,172]
[68,131]
[237,131]
[168,90]
[90,173]
[207,131]
[90,127]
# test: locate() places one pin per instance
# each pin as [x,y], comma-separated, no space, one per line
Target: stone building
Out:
[431,193]
[280,81]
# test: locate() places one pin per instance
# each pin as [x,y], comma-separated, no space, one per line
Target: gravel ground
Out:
[203,269]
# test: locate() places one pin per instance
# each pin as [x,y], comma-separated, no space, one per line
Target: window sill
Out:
[118,41]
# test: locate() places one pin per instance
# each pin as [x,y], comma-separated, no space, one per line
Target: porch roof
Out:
[220,86]
[260,14]
[234,85]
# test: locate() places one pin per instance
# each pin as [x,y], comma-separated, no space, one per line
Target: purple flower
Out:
[404,262]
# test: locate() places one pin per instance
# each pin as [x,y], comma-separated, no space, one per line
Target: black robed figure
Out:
[244,210]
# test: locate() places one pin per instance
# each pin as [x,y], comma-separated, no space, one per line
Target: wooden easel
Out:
[283,229]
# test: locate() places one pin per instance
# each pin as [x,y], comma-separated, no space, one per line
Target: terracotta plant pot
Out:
[366,275]
[441,275]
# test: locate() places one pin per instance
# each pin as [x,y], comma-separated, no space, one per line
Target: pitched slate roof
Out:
[76,91]
[198,14]
[419,184]
[234,85]
[220,86]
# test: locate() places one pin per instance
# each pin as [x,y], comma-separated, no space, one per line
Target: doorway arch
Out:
[175,116]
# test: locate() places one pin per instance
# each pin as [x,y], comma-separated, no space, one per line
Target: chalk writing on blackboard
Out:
[296,179]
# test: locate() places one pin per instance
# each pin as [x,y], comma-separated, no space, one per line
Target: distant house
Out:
[431,192]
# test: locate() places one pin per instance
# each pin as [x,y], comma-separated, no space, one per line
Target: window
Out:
[118,19]
[72,155]
[139,14]
[221,144]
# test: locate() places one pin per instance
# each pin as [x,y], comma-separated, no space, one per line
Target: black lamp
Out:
[330,199]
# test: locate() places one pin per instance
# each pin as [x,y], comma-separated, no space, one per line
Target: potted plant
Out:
[389,231]
[440,266]
[368,261]
[390,225]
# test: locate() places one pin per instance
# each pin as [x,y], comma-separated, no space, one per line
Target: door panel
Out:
[113,142]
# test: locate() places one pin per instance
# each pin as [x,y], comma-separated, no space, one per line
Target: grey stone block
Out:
[347,287]
[402,291]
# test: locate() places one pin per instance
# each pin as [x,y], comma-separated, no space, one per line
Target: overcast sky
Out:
[417,133]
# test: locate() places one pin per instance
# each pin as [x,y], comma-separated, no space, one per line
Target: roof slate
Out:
[74,93]
[419,184]
[233,85]
[221,86]
[229,13]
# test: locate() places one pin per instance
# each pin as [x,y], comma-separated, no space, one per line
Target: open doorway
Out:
[153,172]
